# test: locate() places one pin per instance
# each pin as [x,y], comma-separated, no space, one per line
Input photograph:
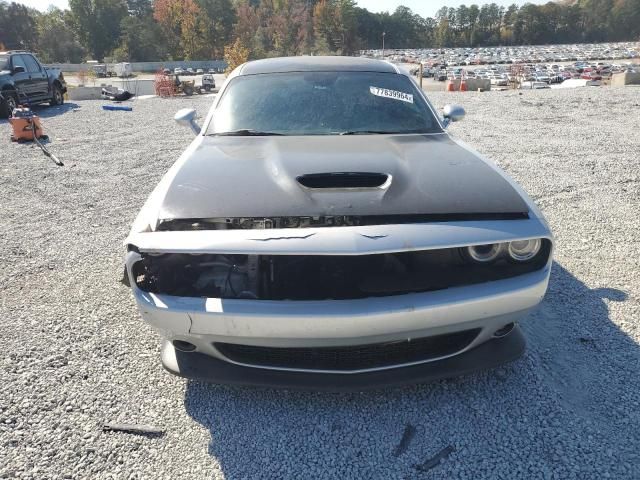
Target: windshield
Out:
[4,62]
[322,103]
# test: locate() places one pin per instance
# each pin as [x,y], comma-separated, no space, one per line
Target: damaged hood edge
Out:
[341,240]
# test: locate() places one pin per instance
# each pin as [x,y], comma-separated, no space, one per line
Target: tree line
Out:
[147,30]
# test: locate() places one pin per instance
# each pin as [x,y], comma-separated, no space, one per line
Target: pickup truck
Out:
[24,80]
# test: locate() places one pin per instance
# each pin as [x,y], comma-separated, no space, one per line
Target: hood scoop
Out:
[339,180]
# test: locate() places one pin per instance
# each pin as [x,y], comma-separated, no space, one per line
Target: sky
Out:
[43,4]
[428,8]
[425,8]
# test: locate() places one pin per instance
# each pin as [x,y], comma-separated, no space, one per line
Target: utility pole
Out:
[383,34]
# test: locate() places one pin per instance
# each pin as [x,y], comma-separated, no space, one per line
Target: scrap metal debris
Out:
[407,436]
[47,153]
[147,430]
[435,461]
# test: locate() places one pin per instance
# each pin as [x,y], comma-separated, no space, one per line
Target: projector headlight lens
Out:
[484,253]
[524,250]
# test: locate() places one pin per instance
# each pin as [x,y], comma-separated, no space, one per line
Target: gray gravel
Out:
[76,354]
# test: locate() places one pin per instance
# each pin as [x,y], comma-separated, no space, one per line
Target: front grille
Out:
[359,357]
[321,277]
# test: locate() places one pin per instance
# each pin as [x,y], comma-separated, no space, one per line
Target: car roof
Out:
[316,64]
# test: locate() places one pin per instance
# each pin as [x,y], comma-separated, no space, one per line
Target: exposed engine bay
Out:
[316,277]
[252,223]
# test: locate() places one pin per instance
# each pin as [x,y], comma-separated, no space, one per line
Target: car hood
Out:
[258,177]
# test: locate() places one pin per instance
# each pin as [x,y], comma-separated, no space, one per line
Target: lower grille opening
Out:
[358,357]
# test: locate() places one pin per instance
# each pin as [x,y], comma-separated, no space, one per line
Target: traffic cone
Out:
[463,85]
[450,86]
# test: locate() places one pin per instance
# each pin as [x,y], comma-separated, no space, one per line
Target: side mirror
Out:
[18,69]
[187,118]
[452,113]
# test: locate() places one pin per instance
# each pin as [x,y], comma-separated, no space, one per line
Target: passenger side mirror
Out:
[18,69]
[452,113]
[187,118]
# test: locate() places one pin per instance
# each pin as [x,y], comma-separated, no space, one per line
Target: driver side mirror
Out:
[452,113]
[18,69]
[187,117]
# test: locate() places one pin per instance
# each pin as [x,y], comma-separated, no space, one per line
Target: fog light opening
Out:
[183,346]
[504,331]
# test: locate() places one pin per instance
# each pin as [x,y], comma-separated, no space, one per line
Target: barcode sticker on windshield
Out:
[383,92]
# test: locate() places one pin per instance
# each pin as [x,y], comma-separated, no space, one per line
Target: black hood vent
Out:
[343,180]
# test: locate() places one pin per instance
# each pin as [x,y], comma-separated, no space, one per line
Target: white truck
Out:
[123,69]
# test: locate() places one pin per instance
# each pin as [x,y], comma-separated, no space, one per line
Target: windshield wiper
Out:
[245,132]
[373,132]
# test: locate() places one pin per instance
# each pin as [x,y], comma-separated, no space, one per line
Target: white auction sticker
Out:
[383,92]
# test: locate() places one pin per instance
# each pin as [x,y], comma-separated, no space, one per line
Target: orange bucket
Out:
[23,128]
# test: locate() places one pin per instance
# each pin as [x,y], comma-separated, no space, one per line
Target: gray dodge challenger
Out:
[324,231]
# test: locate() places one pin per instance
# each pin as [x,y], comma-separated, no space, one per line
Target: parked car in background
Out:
[190,71]
[542,77]
[178,71]
[101,70]
[199,71]
[345,248]
[24,80]
[533,85]
[208,82]
[592,75]
[499,80]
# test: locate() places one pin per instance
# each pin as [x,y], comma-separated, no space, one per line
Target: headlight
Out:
[484,253]
[524,250]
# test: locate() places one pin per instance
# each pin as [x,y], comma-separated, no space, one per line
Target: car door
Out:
[38,78]
[21,80]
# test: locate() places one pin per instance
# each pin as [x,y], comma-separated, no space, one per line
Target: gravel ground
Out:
[76,355]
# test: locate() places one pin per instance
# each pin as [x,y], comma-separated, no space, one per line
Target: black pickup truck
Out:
[24,80]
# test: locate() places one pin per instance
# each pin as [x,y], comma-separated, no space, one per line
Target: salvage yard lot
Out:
[76,354]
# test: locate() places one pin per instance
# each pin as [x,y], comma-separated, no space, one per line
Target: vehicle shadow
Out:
[565,408]
[45,111]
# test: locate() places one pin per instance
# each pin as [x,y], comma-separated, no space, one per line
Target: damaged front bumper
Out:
[199,366]
[312,328]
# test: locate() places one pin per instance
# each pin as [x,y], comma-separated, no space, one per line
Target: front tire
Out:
[9,102]
[57,98]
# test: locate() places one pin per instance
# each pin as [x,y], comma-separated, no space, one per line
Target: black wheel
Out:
[8,103]
[57,98]
[207,88]
[188,91]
